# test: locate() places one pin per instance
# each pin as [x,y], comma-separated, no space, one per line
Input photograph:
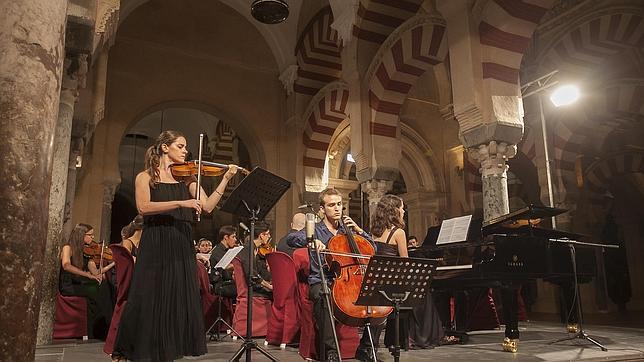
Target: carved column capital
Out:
[74,78]
[375,190]
[493,157]
[288,78]
[345,13]
[109,189]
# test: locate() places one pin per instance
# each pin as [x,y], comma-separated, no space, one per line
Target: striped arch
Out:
[325,112]
[318,54]
[379,18]
[505,31]
[599,174]
[411,50]
[589,43]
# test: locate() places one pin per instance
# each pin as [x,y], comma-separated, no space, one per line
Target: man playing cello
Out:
[331,206]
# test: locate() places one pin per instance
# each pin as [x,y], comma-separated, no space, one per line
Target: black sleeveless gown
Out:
[163,318]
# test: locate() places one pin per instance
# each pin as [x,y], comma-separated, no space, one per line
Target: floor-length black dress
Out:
[163,319]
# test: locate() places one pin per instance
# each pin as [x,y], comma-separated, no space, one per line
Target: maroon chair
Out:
[70,318]
[124,269]
[283,324]
[208,300]
[261,306]
[347,336]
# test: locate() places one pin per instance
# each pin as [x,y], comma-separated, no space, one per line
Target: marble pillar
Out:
[493,158]
[375,190]
[109,189]
[74,77]
[32,43]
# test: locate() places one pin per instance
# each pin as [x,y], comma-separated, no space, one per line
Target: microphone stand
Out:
[581,334]
[324,292]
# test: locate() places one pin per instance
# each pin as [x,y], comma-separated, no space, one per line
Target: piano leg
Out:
[511,318]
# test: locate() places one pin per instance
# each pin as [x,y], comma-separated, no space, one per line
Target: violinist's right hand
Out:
[98,278]
[192,204]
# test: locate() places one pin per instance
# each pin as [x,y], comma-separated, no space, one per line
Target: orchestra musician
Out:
[262,283]
[222,280]
[387,228]
[163,318]
[330,201]
[80,276]
[297,223]
[132,237]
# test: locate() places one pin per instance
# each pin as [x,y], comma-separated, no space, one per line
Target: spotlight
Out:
[565,95]
[269,11]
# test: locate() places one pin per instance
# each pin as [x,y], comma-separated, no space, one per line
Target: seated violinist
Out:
[262,285]
[131,235]
[80,276]
[222,279]
[331,208]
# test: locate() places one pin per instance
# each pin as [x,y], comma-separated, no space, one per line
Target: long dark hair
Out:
[154,152]
[386,215]
[75,242]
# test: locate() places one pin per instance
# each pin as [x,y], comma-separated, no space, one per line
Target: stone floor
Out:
[624,344]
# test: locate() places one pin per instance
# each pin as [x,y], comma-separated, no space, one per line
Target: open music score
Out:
[454,230]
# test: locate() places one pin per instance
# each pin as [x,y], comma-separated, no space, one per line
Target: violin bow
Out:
[198,214]
[100,263]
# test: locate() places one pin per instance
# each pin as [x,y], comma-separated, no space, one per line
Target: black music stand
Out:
[397,282]
[581,334]
[253,198]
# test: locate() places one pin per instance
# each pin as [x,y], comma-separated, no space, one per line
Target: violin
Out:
[208,169]
[94,252]
[265,248]
[348,257]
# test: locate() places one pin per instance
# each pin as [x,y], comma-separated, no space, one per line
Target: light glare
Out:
[564,95]
[350,158]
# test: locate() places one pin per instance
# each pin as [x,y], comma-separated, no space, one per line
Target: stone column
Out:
[76,149]
[375,190]
[73,78]
[493,157]
[423,210]
[31,38]
[109,189]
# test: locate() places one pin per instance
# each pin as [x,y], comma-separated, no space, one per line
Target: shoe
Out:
[365,355]
[510,345]
[572,327]
[332,356]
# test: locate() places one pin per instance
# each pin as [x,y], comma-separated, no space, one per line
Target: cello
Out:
[348,256]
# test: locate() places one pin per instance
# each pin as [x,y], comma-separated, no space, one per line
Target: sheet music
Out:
[454,230]
[228,257]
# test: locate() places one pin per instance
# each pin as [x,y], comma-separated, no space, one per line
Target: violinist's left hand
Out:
[232,170]
[348,222]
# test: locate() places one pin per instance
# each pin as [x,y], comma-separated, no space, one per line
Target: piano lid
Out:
[527,214]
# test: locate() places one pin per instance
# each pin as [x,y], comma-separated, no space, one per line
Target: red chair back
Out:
[261,306]
[70,318]
[124,269]
[208,300]
[283,325]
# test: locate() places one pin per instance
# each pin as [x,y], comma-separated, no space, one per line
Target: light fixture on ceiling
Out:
[269,11]
[565,95]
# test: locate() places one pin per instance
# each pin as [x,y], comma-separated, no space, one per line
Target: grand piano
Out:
[504,253]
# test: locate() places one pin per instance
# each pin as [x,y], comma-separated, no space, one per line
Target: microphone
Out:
[310,227]
[244,227]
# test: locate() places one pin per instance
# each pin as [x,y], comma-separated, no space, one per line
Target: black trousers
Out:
[321,316]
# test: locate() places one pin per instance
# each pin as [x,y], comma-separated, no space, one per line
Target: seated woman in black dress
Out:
[79,276]
[387,228]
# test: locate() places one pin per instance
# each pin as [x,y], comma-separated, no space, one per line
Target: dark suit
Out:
[221,280]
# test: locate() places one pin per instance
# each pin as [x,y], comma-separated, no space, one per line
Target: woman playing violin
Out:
[163,318]
[80,276]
